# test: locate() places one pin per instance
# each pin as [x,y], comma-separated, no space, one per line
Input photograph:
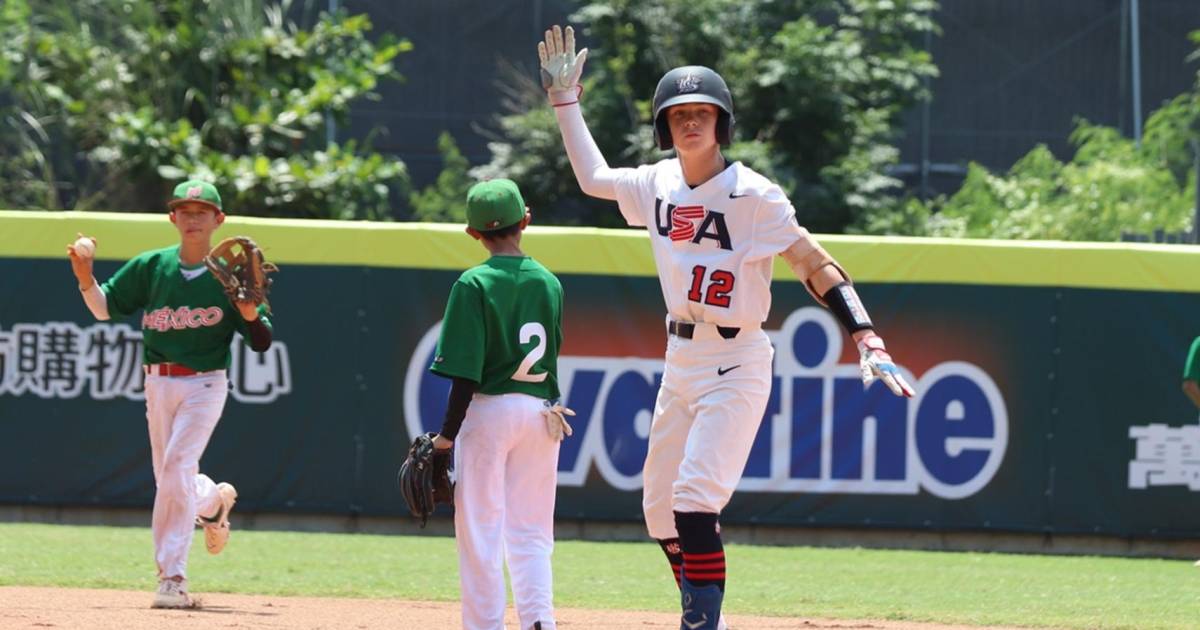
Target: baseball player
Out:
[187,326]
[1191,373]
[715,229]
[1191,379]
[499,344]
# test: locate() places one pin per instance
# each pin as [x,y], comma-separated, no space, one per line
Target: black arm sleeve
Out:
[260,335]
[461,392]
[845,305]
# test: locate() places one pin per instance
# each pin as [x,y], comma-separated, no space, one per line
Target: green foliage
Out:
[109,102]
[528,149]
[1110,186]
[445,200]
[817,99]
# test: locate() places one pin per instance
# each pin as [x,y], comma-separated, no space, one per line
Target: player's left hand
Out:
[876,363]
[556,421]
[248,309]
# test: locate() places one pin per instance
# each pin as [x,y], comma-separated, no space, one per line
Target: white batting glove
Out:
[876,363]
[561,67]
[556,422]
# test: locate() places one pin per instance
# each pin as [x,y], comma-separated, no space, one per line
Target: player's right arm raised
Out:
[561,69]
[81,266]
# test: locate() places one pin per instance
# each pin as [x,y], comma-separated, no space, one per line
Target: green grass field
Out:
[968,588]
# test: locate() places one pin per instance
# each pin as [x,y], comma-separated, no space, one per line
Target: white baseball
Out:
[84,247]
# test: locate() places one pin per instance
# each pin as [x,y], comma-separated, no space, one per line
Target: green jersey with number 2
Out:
[503,328]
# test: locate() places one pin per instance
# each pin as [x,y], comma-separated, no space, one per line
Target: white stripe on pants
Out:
[704,425]
[506,473]
[181,413]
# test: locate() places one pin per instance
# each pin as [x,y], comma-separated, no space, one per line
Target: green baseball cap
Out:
[494,204]
[197,191]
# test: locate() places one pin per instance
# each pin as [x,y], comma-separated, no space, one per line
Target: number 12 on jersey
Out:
[720,285]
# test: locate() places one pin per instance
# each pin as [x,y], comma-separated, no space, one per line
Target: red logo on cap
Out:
[194,192]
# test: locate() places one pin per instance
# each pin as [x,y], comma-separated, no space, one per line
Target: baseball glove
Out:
[238,265]
[425,477]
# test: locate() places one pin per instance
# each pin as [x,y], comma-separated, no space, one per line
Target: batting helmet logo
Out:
[688,83]
[692,84]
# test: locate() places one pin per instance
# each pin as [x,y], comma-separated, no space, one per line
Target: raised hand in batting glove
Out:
[556,421]
[876,363]
[561,67]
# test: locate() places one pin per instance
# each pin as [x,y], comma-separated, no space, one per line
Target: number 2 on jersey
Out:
[719,287]
[528,332]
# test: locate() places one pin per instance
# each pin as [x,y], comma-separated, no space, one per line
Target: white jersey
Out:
[714,244]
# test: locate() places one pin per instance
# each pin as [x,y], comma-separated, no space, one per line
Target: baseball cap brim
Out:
[172,204]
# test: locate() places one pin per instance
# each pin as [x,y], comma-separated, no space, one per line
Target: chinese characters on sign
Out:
[63,360]
[1166,456]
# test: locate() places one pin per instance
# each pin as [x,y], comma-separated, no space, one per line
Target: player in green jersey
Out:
[187,327]
[1191,379]
[499,343]
[1191,373]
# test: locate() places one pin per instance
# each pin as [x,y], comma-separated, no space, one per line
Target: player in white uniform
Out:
[715,229]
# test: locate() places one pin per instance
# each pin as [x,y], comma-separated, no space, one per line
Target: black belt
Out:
[687,330]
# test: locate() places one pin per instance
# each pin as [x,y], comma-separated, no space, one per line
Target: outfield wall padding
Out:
[1047,374]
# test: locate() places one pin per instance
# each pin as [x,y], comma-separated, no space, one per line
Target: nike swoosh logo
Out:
[693,626]
[723,371]
[735,196]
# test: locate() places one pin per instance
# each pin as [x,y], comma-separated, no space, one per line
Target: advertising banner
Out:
[1047,379]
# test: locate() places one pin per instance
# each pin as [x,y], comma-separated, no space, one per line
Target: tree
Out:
[108,102]
[818,88]
[445,200]
[1110,186]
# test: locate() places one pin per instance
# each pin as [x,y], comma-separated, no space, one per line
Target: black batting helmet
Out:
[692,84]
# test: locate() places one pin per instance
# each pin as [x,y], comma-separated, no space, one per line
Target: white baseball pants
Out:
[181,413]
[506,473]
[713,396]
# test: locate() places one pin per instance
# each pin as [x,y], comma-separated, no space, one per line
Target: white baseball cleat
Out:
[216,527]
[172,594]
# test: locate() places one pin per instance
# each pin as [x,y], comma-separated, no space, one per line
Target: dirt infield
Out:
[39,608]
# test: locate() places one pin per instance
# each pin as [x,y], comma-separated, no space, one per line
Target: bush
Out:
[817,99]
[109,102]
[1109,187]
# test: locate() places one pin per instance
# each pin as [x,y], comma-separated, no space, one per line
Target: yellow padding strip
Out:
[623,252]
